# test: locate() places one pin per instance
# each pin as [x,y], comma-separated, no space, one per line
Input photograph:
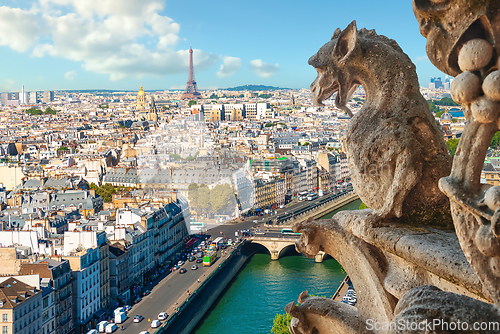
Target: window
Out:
[5,330]
[5,317]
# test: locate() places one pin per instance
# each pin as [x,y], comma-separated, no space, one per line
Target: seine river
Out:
[263,287]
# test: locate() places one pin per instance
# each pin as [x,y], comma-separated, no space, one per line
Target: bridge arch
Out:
[275,246]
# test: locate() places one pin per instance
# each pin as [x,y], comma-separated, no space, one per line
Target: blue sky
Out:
[122,44]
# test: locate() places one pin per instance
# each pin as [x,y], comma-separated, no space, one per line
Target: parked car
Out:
[260,232]
[143,332]
[194,267]
[145,293]
[138,318]
[180,263]
[155,323]
[127,308]
[138,299]
[162,316]
[182,271]
[199,260]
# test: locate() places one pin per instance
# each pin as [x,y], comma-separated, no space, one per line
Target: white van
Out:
[119,310]
[110,328]
[92,331]
[101,327]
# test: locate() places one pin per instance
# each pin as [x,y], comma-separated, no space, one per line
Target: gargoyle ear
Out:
[346,41]
[336,33]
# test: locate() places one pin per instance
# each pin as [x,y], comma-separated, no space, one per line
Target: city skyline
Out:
[121,45]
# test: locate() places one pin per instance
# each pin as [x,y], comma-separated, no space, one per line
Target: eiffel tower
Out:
[191,91]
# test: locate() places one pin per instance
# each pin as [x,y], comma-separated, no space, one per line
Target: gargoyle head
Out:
[448,24]
[330,63]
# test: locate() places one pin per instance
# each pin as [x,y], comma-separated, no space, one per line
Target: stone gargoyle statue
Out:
[396,152]
[396,157]
[407,274]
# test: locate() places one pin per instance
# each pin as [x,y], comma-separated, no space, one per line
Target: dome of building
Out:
[446,117]
[141,92]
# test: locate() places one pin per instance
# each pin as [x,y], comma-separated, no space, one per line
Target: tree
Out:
[222,198]
[192,102]
[495,141]
[203,199]
[193,195]
[439,113]
[33,111]
[433,107]
[362,206]
[446,101]
[452,146]
[50,111]
[281,324]
[176,157]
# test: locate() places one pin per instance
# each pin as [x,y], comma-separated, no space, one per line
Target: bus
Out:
[209,258]
[312,197]
[217,242]
[303,195]
[288,231]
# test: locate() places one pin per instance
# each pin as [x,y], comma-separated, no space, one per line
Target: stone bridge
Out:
[275,246]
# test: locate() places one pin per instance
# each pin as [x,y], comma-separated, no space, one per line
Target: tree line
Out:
[34,111]
[219,200]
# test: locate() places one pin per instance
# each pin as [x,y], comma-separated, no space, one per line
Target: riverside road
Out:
[169,291]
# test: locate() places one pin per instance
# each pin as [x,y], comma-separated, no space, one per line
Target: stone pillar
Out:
[319,257]
[275,255]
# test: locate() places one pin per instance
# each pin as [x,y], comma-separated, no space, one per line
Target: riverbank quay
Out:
[318,210]
[342,290]
[190,310]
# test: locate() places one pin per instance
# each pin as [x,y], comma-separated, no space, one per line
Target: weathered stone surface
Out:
[321,315]
[427,309]
[396,152]
[387,256]
[465,88]
[459,38]
[365,264]
[475,54]
[448,26]
[431,250]
[491,85]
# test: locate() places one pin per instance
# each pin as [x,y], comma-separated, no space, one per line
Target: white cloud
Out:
[421,58]
[70,75]
[118,38]
[263,69]
[19,29]
[229,66]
